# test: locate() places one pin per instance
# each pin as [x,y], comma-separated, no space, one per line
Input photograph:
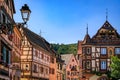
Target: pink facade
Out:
[71,67]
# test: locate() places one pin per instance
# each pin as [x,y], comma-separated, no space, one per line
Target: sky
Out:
[65,21]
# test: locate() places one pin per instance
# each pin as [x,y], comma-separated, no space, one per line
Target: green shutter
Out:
[4,54]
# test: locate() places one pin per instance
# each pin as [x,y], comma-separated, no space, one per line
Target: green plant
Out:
[98,73]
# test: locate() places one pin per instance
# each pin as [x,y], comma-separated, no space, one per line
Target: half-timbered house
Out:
[15,74]
[6,28]
[38,61]
[97,52]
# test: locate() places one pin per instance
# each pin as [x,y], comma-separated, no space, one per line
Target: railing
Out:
[3,3]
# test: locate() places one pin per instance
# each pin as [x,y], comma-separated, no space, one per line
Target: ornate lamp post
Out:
[25,12]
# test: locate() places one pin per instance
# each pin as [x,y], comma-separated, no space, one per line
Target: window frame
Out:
[103,51]
[103,66]
[88,50]
[118,50]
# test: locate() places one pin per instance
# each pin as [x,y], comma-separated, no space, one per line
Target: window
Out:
[103,51]
[83,64]
[46,71]
[41,69]
[70,66]
[83,50]
[2,53]
[42,56]
[88,64]
[110,52]
[26,67]
[36,53]
[88,51]
[72,60]
[60,66]
[5,54]
[52,60]
[103,64]
[34,68]
[117,50]
[53,71]
[68,72]
[4,18]
[47,58]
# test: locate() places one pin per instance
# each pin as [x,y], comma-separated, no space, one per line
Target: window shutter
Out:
[4,54]
[9,58]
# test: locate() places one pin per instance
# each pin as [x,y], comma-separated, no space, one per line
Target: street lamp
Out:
[25,12]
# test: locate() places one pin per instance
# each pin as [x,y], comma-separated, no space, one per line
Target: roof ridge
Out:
[36,39]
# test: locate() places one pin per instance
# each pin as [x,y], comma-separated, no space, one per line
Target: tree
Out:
[115,67]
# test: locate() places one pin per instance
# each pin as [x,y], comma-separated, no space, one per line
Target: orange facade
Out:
[53,68]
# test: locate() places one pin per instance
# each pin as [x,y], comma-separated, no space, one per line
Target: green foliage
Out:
[65,49]
[98,73]
[115,72]
[108,73]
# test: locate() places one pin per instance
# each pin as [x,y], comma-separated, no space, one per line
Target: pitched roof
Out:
[37,40]
[107,25]
[107,34]
[66,58]
[87,39]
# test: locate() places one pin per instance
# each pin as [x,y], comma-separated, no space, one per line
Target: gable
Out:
[72,62]
[106,35]
[106,31]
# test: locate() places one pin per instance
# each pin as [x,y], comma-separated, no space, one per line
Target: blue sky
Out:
[65,21]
